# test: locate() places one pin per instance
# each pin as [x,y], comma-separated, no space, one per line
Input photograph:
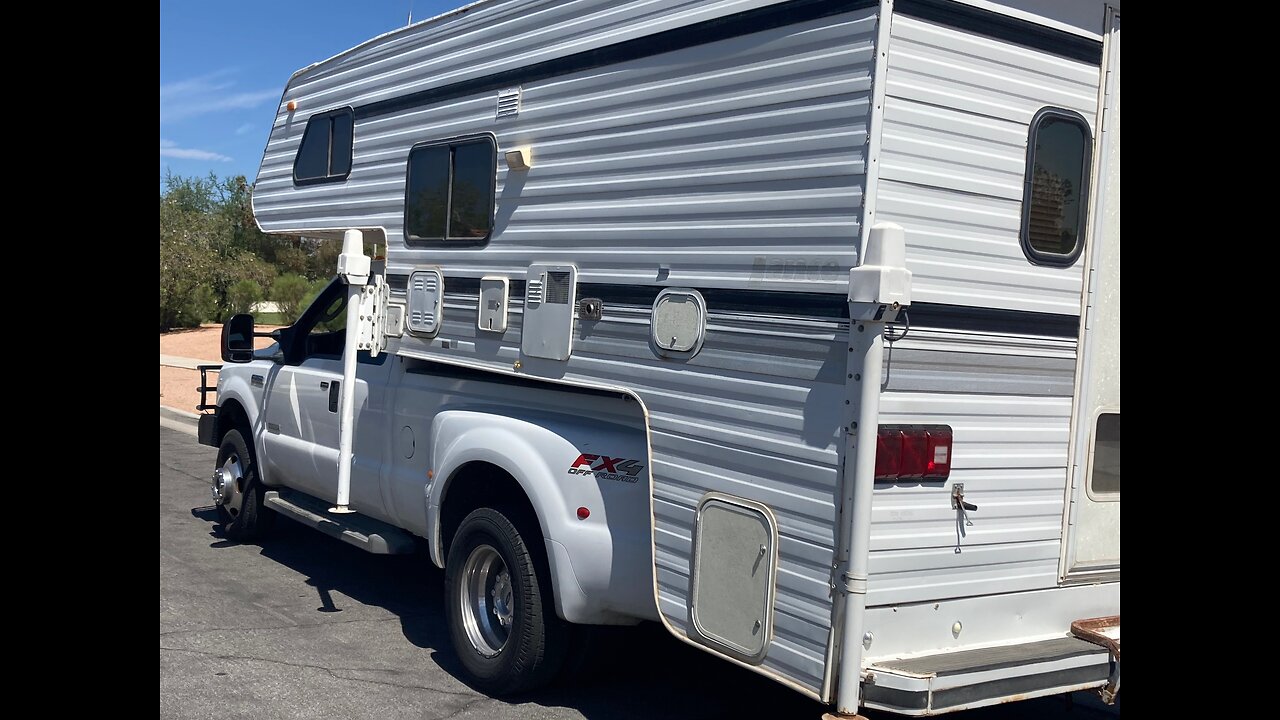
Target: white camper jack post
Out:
[879,288]
[353,268]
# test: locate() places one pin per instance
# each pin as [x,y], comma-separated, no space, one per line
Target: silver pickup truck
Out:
[533,498]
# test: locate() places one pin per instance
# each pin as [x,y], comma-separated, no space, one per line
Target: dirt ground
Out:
[178,385]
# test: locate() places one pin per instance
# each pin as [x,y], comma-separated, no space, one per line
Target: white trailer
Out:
[793,326]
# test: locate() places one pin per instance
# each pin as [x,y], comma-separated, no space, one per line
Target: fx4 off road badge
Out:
[604,467]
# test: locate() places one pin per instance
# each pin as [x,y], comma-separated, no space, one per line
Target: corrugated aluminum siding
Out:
[1008,401]
[710,161]
[953,155]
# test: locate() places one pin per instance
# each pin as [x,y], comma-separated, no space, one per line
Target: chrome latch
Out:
[957,498]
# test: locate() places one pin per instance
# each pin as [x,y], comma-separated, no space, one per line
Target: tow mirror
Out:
[237,339]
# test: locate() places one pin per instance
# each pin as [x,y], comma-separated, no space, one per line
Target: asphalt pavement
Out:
[304,626]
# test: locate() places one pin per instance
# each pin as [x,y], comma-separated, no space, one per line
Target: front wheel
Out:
[501,615]
[237,493]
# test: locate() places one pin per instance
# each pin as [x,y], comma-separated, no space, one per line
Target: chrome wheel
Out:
[486,600]
[228,485]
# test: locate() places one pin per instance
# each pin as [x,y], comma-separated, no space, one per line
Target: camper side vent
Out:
[509,102]
[557,292]
[426,301]
[547,327]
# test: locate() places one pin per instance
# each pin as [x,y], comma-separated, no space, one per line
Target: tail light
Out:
[913,452]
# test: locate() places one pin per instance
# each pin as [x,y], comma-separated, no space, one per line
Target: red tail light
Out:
[913,452]
[915,444]
[888,452]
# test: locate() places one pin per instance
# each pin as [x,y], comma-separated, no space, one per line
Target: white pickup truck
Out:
[533,498]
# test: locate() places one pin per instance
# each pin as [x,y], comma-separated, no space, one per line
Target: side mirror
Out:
[237,339]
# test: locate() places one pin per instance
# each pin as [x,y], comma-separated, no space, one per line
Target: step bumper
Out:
[962,679]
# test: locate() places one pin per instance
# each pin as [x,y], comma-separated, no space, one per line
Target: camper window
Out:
[1105,479]
[1055,193]
[325,152]
[450,190]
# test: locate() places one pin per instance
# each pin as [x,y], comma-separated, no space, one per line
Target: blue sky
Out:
[224,64]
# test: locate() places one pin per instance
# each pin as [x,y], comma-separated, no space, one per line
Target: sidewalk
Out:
[181,352]
[177,361]
[179,382]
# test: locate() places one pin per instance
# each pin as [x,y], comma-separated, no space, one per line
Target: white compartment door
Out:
[1092,549]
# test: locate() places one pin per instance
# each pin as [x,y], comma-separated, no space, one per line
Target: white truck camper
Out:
[791,325]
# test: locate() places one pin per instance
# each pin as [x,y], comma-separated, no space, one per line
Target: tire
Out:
[238,495]
[501,614]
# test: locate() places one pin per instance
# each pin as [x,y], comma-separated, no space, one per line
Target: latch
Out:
[590,309]
[957,498]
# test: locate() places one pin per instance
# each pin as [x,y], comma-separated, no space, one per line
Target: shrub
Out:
[243,295]
[288,291]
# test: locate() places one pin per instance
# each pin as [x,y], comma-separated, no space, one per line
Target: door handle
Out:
[333,395]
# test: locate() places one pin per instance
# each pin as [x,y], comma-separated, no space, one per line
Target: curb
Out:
[180,413]
[180,420]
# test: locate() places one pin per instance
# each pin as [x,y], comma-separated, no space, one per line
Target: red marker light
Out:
[583,513]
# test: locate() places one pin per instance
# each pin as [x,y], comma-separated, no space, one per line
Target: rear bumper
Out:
[961,679]
[1104,632]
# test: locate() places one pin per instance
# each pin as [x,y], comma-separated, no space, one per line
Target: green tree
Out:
[313,291]
[288,292]
[187,260]
[291,260]
[243,295]
[210,243]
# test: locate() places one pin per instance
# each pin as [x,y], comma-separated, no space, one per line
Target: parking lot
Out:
[304,626]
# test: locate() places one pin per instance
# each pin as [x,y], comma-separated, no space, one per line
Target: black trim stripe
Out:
[993,320]
[774,302]
[1002,27]
[702,33]
[824,305]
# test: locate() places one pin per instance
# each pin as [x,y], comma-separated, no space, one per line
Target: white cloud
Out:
[170,149]
[210,93]
[198,84]
[246,128]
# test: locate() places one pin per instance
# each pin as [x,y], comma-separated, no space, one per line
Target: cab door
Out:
[301,427]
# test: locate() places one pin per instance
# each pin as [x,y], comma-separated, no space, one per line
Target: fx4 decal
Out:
[609,468]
